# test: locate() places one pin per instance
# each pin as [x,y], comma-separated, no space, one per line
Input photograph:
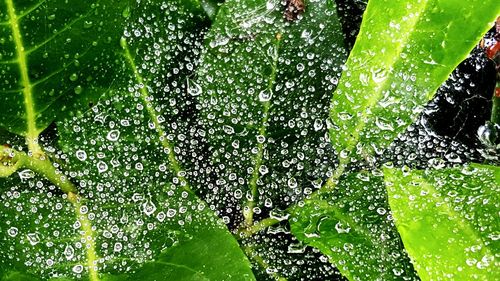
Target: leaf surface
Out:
[51,51]
[448,220]
[138,218]
[403,53]
[352,225]
[264,88]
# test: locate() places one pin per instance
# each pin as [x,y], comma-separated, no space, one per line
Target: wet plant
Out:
[246,140]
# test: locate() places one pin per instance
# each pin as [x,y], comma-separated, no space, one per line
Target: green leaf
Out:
[135,216]
[265,85]
[352,225]
[448,220]
[403,53]
[145,232]
[50,54]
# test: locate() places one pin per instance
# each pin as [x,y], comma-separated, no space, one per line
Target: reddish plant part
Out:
[293,9]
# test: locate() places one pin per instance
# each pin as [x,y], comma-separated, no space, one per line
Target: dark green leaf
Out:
[403,53]
[137,217]
[352,225]
[448,220]
[49,56]
[265,85]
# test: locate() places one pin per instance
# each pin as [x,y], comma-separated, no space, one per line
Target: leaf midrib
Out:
[373,99]
[153,116]
[262,132]
[32,132]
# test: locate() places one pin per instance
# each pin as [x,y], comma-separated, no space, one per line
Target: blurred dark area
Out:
[351,14]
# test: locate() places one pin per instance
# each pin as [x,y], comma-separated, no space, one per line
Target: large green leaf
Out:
[352,225]
[135,236]
[50,54]
[137,217]
[448,220]
[403,53]
[265,85]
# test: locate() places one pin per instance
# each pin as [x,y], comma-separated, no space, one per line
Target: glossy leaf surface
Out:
[352,225]
[138,218]
[264,86]
[50,53]
[447,220]
[404,52]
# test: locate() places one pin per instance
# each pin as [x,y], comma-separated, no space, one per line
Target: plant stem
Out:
[246,232]
[22,62]
[42,165]
[87,235]
[329,185]
[250,252]
[154,117]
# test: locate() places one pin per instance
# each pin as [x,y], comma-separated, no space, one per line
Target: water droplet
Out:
[73,77]
[379,75]
[81,155]
[33,238]
[102,166]
[69,252]
[383,124]
[113,135]
[118,247]
[78,268]
[87,24]
[13,231]
[193,88]
[78,89]
[26,174]
[342,228]
[148,207]
[265,95]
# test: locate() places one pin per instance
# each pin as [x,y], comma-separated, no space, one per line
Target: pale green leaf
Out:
[352,225]
[405,50]
[448,220]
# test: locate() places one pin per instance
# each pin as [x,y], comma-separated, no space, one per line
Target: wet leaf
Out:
[403,53]
[353,226]
[135,216]
[50,54]
[265,85]
[448,220]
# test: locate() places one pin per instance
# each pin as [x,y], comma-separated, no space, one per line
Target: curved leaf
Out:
[50,55]
[398,62]
[264,86]
[448,220]
[352,225]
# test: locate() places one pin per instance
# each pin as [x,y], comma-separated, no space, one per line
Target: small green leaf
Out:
[352,225]
[448,220]
[403,53]
[208,256]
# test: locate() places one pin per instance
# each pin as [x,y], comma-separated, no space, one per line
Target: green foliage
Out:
[50,55]
[266,87]
[119,228]
[150,140]
[352,225]
[395,67]
[398,62]
[445,220]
